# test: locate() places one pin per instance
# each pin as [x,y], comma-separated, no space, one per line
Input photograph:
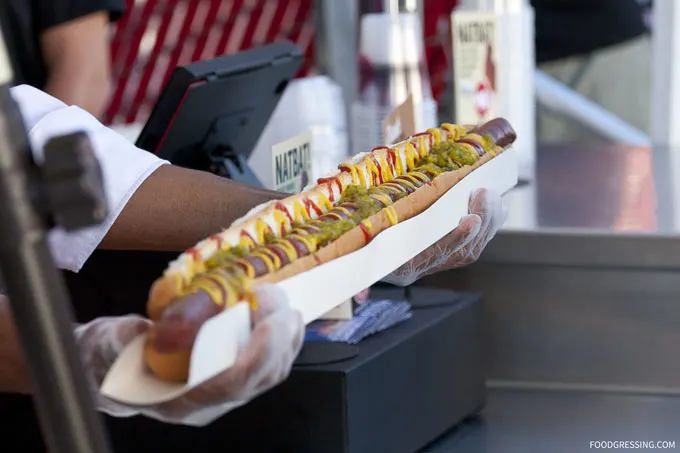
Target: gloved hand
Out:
[266,361]
[460,247]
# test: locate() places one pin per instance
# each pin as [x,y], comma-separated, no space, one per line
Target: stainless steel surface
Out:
[582,286]
[573,326]
[530,421]
[594,206]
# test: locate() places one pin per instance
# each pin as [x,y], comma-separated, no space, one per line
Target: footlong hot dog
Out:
[338,215]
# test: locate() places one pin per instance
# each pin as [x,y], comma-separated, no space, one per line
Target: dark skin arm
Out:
[171,211]
[175,208]
[77,58]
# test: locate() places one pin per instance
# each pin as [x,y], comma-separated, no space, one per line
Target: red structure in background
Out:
[438,45]
[155,36]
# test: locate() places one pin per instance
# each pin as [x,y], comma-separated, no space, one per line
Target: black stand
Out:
[211,113]
[217,155]
[67,190]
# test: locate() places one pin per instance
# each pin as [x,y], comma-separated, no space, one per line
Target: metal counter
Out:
[529,421]
[582,305]
[597,205]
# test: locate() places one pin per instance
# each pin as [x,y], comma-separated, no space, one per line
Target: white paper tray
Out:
[314,292]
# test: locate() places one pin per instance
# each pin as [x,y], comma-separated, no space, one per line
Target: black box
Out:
[404,388]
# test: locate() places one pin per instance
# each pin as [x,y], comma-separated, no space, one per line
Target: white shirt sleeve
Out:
[124,166]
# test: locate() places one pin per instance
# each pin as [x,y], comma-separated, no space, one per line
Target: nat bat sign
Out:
[292,163]
[475,56]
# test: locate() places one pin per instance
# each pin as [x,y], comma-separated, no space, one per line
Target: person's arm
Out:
[175,208]
[76,54]
[13,374]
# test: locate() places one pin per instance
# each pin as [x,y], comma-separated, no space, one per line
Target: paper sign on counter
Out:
[400,123]
[292,164]
[342,312]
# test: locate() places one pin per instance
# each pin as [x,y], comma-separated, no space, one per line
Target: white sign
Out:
[342,312]
[292,164]
[6,73]
[400,123]
[475,63]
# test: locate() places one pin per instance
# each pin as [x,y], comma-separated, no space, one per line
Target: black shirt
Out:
[572,27]
[24,21]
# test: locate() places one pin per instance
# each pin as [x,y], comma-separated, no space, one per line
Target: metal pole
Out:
[562,100]
[665,89]
[38,296]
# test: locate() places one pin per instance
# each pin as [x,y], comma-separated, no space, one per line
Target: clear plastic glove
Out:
[266,361]
[460,247]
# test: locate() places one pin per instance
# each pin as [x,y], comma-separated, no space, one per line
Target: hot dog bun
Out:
[353,240]
[193,289]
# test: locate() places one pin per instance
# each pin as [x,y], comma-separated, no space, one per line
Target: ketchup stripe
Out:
[405,183]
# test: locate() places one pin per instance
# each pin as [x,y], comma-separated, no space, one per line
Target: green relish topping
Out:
[443,157]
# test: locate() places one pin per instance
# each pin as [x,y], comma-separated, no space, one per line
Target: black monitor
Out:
[211,113]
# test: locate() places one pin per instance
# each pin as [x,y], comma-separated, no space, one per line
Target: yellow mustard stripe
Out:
[261,228]
[217,284]
[411,155]
[281,221]
[270,259]
[422,147]
[311,246]
[386,169]
[224,243]
[343,210]
[411,177]
[372,169]
[323,201]
[391,215]
[299,211]
[381,197]
[194,267]
[210,288]
[398,164]
[246,241]
[367,224]
[354,173]
[249,268]
[407,182]
[287,248]
[232,285]
[314,224]
[454,130]
[436,134]
[362,178]
[396,186]
[476,137]
[334,215]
